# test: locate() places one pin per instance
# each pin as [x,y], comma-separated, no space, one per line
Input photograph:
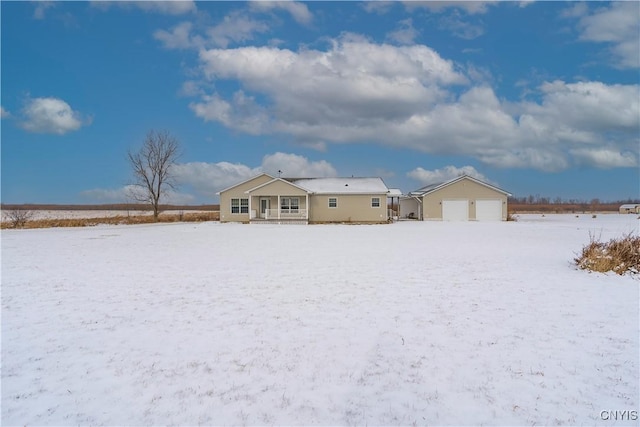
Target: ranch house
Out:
[267,199]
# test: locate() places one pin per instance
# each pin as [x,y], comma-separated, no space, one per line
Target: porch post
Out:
[278,206]
[250,197]
[307,205]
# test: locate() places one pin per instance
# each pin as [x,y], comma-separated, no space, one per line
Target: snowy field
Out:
[407,324]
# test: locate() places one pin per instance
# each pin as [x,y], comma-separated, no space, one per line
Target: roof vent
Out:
[346,185]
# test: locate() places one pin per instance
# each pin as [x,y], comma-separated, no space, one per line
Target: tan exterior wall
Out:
[239,193]
[279,187]
[463,189]
[350,208]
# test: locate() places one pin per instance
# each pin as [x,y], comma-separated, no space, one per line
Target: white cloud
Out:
[459,27]
[179,37]
[426,177]
[618,25]
[605,158]
[168,7]
[243,113]
[209,178]
[41,8]
[237,27]
[4,114]
[299,11]
[295,166]
[379,7]
[353,84]
[406,34]
[50,115]
[165,7]
[470,7]
[576,10]
[404,96]
[191,88]
[581,112]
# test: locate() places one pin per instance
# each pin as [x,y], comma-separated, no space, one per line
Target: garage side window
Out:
[333,202]
[375,202]
[239,206]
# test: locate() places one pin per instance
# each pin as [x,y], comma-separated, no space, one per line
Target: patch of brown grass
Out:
[118,220]
[620,255]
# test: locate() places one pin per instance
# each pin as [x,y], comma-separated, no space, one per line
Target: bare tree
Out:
[152,168]
[19,217]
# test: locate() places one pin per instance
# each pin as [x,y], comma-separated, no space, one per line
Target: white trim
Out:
[453,181]
[329,202]
[274,180]
[243,182]
[239,199]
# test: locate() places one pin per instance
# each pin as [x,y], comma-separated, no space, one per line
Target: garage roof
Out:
[434,187]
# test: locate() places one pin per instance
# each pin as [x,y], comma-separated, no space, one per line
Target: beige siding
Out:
[279,188]
[351,208]
[239,193]
[464,189]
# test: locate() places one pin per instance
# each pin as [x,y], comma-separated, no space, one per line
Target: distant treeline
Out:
[108,207]
[540,200]
[545,204]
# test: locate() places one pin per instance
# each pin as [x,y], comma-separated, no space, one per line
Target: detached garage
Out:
[461,199]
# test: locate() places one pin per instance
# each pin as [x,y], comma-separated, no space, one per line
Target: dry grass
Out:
[620,255]
[116,220]
[18,218]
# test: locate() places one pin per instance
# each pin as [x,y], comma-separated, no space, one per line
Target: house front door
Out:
[264,207]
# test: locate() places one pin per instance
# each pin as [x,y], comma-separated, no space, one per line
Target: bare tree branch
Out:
[152,168]
[19,217]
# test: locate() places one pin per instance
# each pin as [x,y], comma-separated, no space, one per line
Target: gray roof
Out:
[436,186]
[342,185]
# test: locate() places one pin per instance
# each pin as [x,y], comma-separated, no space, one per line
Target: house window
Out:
[375,202]
[239,206]
[289,204]
[333,202]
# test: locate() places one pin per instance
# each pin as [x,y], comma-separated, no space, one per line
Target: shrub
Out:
[18,218]
[620,255]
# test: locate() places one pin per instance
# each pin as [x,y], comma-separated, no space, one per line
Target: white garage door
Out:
[455,210]
[489,210]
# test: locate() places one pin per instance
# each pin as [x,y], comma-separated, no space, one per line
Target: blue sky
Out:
[538,98]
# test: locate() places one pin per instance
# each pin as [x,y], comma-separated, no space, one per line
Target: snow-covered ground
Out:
[410,323]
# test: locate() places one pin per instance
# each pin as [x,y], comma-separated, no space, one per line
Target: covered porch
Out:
[278,201]
[279,208]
